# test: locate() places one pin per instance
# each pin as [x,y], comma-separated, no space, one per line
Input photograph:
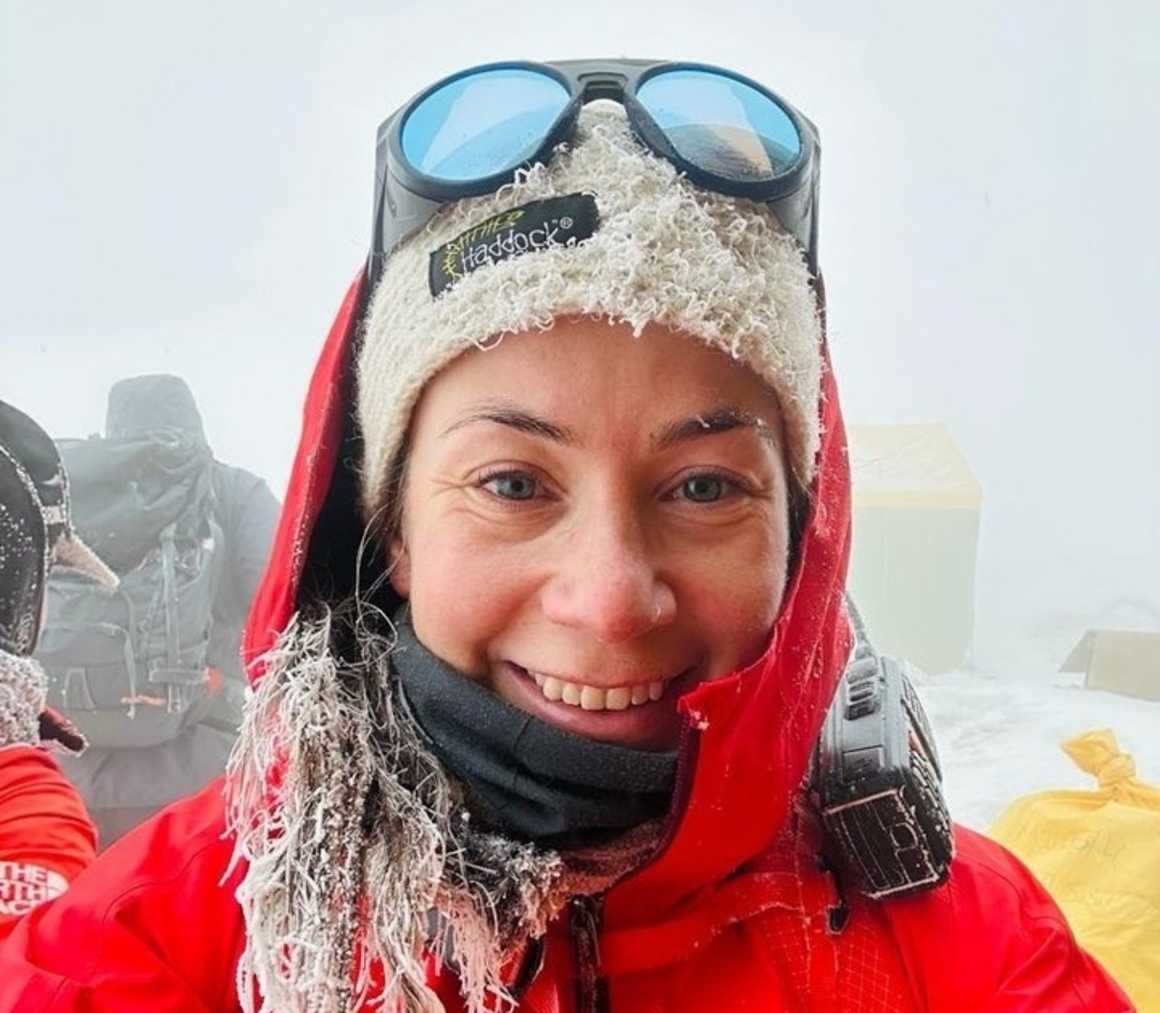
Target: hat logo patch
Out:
[539,225]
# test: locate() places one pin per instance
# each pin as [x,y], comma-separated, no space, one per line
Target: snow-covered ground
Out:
[999,735]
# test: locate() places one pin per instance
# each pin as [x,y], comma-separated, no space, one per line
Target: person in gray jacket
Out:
[124,786]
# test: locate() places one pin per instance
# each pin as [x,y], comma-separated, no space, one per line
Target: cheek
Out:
[734,598]
[463,596]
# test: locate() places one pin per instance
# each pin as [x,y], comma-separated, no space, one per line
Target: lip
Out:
[652,725]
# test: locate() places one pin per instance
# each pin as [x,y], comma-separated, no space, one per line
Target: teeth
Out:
[592,698]
[617,699]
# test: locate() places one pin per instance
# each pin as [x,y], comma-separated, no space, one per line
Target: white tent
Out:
[916,528]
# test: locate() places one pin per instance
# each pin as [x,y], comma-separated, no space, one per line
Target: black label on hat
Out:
[540,225]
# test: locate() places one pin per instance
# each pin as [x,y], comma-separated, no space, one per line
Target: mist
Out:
[188,189]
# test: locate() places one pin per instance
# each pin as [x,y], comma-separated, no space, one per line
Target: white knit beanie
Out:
[663,251]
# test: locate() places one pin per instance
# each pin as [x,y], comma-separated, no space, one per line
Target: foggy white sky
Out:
[186,188]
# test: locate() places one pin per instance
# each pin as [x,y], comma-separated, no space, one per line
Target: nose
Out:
[607,584]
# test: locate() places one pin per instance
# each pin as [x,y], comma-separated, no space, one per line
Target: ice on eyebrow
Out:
[743,417]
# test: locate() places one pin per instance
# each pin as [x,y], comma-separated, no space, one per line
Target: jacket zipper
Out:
[584,924]
[586,912]
[687,750]
[688,747]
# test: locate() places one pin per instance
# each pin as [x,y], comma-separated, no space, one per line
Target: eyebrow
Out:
[721,419]
[506,414]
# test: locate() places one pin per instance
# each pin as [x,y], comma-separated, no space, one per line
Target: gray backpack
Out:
[129,666]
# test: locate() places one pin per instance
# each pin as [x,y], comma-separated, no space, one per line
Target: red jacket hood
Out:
[748,737]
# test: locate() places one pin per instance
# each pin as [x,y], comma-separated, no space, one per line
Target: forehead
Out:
[589,373]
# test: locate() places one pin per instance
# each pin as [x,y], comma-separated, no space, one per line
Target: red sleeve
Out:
[46,837]
[151,926]
[992,938]
[1054,972]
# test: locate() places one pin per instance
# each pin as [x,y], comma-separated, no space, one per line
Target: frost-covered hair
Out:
[361,856]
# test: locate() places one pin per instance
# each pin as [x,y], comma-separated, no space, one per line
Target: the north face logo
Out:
[24,886]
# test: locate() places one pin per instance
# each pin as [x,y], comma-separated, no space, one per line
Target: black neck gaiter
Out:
[525,777]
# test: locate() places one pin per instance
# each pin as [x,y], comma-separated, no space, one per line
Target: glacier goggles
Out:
[469,134]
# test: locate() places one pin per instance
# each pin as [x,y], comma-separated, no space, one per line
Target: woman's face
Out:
[593,523]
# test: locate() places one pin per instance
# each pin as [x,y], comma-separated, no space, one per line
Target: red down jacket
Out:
[732,913]
[46,837]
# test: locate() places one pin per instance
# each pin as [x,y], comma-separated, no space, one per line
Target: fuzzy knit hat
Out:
[605,229]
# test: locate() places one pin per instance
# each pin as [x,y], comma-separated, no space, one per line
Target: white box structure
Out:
[1119,661]
[916,532]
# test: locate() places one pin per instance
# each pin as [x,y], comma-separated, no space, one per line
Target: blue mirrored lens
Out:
[481,124]
[722,125]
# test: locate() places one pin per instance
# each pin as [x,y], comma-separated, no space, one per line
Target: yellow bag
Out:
[1098,854]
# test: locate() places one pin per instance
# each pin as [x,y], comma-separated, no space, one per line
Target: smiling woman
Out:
[616,536]
[555,615]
